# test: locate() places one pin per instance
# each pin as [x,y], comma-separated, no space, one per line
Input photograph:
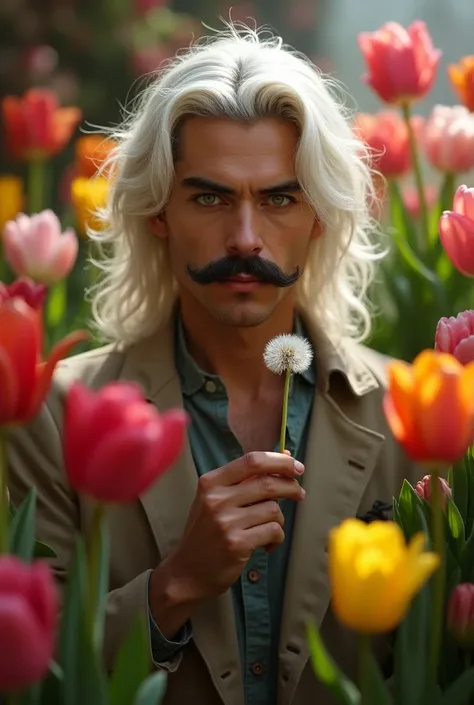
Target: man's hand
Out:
[235,511]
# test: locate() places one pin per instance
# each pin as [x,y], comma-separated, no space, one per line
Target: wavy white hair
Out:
[244,75]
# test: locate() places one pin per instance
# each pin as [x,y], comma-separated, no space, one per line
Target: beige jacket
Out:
[352,461]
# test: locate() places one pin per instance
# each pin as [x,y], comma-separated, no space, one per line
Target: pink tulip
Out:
[411,199]
[455,335]
[447,138]
[116,445]
[460,615]
[401,63]
[28,614]
[35,247]
[456,231]
[423,488]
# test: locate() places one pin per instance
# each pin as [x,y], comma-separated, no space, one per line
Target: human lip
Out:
[242,282]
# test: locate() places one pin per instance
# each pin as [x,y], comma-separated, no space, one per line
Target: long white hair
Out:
[245,75]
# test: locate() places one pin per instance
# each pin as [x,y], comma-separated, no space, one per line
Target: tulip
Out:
[89,196]
[374,575]
[32,294]
[423,488]
[447,138]
[116,445]
[429,407]
[36,128]
[455,335]
[386,134]
[411,200]
[401,63]
[12,199]
[29,605]
[91,152]
[24,378]
[456,231]
[460,615]
[462,79]
[35,247]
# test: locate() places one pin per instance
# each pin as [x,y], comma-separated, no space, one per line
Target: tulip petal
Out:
[117,470]
[9,389]
[19,340]
[63,260]
[43,596]
[170,445]
[456,233]
[464,351]
[44,370]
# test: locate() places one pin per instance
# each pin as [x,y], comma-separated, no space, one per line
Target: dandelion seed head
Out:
[288,352]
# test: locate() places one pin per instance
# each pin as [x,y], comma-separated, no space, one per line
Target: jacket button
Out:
[253,576]
[257,668]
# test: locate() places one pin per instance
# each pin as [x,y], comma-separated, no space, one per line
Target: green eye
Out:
[208,199]
[280,200]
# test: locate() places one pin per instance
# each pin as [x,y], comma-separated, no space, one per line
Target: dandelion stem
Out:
[284,414]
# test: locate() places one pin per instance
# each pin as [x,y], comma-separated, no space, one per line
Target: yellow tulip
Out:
[87,196]
[374,574]
[12,199]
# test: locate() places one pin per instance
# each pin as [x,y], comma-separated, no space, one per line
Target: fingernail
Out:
[299,467]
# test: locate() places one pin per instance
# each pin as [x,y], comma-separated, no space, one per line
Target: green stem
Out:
[13,699]
[94,546]
[36,185]
[449,188]
[437,601]
[415,160]
[56,306]
[4,508]
[364,655]
[284,414]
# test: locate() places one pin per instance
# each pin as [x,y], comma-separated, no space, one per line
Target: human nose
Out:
[244,232]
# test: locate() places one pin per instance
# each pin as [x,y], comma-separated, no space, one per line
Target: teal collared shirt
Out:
[258,594]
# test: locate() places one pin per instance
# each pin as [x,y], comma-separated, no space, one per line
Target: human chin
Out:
[242,311]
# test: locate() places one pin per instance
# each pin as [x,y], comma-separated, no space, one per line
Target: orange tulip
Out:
[462,79]
[429,407]
[24,378]
[91,152]
[35,126]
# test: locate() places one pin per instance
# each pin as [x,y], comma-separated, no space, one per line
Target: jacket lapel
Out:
[340,459]
[167,505]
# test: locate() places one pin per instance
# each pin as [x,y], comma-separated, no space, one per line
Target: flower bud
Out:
[423,488]
[460,615]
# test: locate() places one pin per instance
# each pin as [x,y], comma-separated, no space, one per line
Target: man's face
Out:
[238,224]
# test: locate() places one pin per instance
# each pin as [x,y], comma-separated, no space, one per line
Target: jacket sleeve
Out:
[35,458]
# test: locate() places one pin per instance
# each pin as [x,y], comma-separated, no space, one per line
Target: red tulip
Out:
[460,615]
[116,445]
[401,63]
[423,488]
[28,613]
[386,134]
[24,378]
[35,126]
[32,294]
[455,335]
[456,231]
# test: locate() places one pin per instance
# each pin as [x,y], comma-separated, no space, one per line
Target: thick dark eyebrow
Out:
[199,182]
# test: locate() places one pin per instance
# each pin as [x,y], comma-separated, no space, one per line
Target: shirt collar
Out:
[193,378]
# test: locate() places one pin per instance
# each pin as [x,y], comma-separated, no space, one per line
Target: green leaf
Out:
[411,652]
[42,550]
[152,691]
[401,221]
[409,506]
[22,528]
[460,691]
[344,691]
[455,529]
[84,678]
[412,260]
[375,691]
[103,585]
[51,687]
[459,482]
[467,561]
[131,667]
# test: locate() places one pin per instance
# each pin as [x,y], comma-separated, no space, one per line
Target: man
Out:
[239,211]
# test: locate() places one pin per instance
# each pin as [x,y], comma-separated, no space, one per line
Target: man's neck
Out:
[235,354]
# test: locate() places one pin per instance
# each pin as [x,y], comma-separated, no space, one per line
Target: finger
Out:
[256,463]
[264,488]
[261,513]
[270,534]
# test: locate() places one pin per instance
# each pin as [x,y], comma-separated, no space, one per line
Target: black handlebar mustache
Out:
[229,267]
